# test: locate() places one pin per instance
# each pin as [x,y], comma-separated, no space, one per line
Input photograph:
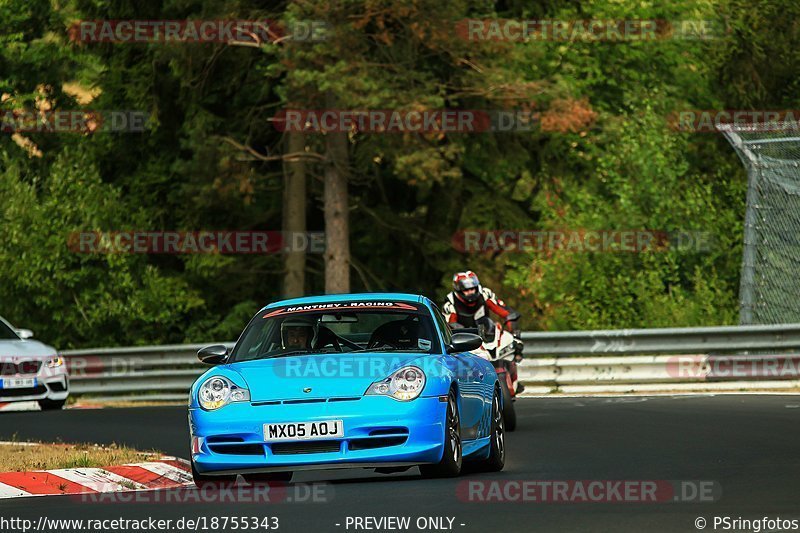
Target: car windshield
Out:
[337,327]
[6,333]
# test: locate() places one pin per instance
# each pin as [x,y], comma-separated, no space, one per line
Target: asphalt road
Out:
[746,447]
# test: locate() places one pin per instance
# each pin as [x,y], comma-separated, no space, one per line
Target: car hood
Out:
[27,348]
[345,375]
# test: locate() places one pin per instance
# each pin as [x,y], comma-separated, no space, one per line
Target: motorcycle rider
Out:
[469,301]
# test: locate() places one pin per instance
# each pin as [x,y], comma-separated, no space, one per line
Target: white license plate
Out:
[325,429]
[19,383]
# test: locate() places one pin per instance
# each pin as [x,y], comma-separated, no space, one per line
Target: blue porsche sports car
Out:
[346,381]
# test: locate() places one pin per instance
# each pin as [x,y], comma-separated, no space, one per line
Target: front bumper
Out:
[378,431]
[49,384]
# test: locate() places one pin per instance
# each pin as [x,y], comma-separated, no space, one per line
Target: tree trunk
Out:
[337,227]
[294,217]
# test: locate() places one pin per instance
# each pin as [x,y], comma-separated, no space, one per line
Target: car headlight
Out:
[404,384]
[54,362]
[219,391]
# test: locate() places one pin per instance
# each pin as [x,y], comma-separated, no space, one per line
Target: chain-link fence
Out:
[769,291]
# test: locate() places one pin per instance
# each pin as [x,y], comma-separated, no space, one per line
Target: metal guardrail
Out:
[663,340]
[135,373]
[554,360]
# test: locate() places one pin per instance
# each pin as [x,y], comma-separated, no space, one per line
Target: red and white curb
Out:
[19,406]
[167,472]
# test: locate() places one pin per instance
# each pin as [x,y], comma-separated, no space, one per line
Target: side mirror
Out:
[464,342]
[213,355]
[24,334]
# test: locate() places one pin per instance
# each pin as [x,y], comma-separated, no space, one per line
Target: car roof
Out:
[351,297]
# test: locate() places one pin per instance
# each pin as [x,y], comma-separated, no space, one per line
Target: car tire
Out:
[202,481]
[509,413]
[270,477]
[51,405]
[497,451]
[452,459]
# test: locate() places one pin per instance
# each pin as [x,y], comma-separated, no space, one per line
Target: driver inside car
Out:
[298,334]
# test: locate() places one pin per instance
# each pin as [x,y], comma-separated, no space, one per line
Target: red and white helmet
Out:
[467,281]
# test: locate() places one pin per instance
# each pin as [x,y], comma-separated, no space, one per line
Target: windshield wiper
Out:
[396,350]
[297,352]
[287,354]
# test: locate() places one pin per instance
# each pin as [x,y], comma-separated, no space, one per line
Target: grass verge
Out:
[26,456]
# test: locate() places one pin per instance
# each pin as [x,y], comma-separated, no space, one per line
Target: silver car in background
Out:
[30,370]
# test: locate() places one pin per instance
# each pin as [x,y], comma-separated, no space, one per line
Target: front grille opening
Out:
[319,446]
[223,438]
[237,449]
[310,400]
[388,431]
[57,387]
[30,391]
[306,400]
[380,442]
[24,367]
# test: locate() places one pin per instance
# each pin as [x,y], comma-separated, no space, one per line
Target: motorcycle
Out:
[503,350]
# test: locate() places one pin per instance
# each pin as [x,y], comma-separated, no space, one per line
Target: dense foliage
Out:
[603,157]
